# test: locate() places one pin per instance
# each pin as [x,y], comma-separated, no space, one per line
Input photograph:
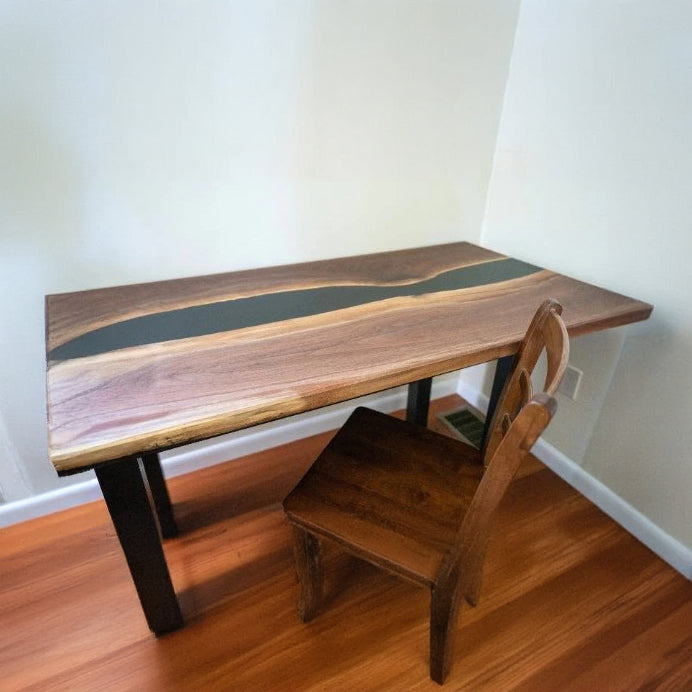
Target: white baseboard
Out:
[656,539]
[210,452]
[641,527]
[475,397]
[244,442]
[49,502]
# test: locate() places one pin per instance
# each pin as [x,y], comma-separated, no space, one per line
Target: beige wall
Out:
[143,140]
[592,177]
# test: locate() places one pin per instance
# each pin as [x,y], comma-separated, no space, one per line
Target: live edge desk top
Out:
[143,368]
[134,370]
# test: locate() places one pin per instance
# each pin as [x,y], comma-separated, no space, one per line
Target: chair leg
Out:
[309,571]
[444,613]
[473,593]
[474,578]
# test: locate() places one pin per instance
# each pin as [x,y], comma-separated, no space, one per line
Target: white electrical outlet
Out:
[570,382]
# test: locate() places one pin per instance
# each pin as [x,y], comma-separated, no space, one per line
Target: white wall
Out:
[142,140]
[592,177]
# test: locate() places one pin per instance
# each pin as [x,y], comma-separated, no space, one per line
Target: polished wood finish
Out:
[156,396]
[309,572]
[593,609]
[386,490]
[72,314]
[546,333]
[172,362]
[419,504]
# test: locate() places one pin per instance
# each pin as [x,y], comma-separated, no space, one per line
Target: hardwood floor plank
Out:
[650,649]
[570,602]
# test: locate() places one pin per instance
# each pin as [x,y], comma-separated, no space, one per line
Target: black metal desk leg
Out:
[419,401]
[502,371]
[125,493]
[159,493]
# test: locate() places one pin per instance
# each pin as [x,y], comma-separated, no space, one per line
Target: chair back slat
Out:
[547,333]
[465,561]
[506,423]
[419,503]
[555,335]
[526,387]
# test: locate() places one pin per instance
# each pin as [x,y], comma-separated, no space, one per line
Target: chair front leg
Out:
[444,613]
[309,571]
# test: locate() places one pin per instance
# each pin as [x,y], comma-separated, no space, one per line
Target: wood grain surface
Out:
[72,314]
[574,602]
[421,504]
[161,395]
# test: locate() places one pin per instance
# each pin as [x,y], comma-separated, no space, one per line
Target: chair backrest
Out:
[464,563]
[546,332]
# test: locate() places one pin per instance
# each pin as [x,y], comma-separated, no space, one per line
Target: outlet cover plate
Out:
[571,382]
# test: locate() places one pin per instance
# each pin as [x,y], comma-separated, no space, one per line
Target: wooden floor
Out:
[570,601]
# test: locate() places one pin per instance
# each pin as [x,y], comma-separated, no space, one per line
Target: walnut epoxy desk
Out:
[135,370]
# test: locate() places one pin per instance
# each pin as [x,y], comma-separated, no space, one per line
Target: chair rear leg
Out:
[309,571]
[444,613]
[473,590]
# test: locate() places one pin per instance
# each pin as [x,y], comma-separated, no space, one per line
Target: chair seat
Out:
[420,504]
[392,492]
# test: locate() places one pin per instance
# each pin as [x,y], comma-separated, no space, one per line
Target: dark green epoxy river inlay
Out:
[228,315]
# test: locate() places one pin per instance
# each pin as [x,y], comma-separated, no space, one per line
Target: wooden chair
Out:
[420,504]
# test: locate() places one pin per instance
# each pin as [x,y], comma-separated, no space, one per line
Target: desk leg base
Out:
[124,490]
[418,402]
[503,369]
[159,494]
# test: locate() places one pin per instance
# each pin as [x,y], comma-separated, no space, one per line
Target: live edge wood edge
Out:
[300,365]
